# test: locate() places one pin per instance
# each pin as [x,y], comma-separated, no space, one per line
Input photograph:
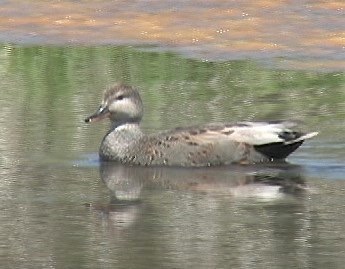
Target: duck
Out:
[210,144]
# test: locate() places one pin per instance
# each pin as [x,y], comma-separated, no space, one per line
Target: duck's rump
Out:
[277,151]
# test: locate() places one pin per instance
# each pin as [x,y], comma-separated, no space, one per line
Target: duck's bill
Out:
[100,114]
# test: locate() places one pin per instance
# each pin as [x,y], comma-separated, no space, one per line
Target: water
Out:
[61,208]
[283,33]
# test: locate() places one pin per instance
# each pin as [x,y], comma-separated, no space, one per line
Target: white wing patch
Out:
[256,133]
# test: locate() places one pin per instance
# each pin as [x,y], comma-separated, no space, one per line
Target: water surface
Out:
[242,60]
[295,34]
[62,209]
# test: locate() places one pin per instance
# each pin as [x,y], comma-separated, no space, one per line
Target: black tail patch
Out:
[277,150]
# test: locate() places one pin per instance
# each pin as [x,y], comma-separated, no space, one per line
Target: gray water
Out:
[253,60]
[61,208]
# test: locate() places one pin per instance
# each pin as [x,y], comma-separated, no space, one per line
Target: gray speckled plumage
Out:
[207,145]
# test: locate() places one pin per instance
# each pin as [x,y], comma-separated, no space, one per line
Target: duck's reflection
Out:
[128,183]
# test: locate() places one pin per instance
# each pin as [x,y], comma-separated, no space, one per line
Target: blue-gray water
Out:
[253,60]
[60,208]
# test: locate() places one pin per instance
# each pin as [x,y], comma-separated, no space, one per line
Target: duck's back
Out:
[215,144]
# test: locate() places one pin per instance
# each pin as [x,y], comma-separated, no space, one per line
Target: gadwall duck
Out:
[206,145]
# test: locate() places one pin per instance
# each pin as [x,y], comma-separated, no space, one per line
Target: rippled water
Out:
[295,34]
[62,209]
[252,60]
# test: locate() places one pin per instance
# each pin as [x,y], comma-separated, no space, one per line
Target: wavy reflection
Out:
[128,183]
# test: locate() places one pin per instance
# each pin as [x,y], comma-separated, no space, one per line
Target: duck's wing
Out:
[227,143]
[257,133]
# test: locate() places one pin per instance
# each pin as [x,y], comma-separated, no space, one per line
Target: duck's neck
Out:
[126,132]
[127,123]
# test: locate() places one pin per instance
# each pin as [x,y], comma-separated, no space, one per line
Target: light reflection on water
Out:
[234,216]
[62,209]
[283,33]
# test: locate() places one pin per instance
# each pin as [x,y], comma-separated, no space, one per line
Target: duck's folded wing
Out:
[256,133]
[255,141]
[225,143]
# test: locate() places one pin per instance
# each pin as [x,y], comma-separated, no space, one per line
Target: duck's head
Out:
[121,104]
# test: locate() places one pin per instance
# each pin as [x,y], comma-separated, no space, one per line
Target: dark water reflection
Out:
[206,217]
[127,182]
[220,217]
[60,208]
[65,217]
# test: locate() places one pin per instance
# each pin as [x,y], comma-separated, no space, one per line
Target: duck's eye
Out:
[120,97]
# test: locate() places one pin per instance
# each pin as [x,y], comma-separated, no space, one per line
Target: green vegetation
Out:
[49,89]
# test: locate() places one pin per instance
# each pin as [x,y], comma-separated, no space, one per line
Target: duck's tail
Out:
[280,150]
